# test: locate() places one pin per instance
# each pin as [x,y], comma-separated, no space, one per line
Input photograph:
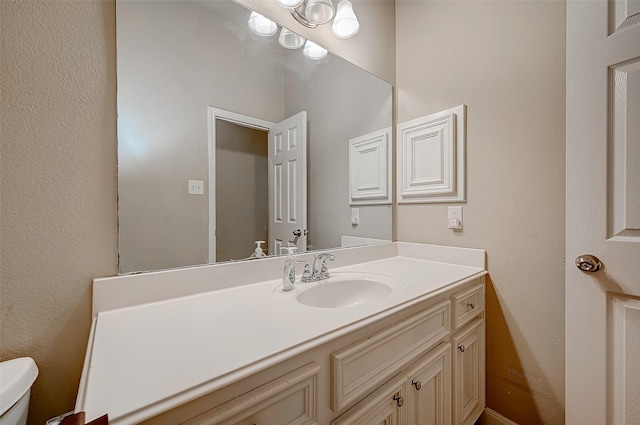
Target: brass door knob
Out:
[588,263]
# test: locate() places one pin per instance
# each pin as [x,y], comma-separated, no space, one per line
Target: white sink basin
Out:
[348,290]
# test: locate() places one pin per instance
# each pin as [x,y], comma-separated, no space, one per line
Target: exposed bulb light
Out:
[313,51]
[290,3]
[262,26]
[319,11]
[290,40]
[345,24]
[312,13]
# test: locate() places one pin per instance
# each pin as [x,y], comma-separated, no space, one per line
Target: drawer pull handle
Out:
[461,348]
[471,305]
[417,384]
[398,399]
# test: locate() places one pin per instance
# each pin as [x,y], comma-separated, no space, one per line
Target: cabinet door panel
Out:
[429,391]
[468,373]
[382,407]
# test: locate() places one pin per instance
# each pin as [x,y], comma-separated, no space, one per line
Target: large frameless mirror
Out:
[209,116]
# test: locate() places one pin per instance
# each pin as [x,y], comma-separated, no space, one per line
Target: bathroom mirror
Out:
[197,92]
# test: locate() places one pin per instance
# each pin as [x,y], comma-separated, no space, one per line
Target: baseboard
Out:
[491,417]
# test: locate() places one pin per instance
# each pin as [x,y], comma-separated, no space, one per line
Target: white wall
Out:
[506,61]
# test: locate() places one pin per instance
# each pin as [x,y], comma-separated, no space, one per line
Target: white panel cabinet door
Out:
[469,373]
[288,184]
[429,392]
[385,406]
[603,212]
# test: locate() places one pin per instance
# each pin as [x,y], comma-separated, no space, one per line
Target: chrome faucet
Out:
[319,270]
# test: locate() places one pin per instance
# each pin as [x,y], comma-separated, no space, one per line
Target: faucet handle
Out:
[306,273]
[324,257]
[324,271]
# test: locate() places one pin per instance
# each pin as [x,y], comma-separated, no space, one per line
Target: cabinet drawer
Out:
[288,400]
[467,305]
[364,365]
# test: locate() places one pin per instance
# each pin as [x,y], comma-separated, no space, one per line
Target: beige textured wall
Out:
[58,177]
[59,181]
[506,62]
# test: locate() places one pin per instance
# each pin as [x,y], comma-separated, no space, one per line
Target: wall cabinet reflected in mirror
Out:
[178,59]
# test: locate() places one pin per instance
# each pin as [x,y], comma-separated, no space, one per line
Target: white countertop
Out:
[146,359]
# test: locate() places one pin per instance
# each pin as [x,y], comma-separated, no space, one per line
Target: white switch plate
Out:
[355,216]
[196,187]
[454,218]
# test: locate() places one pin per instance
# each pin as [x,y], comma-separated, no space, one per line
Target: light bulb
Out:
[290,3]
[290,40]
[313,51]
[345,25]
[262,26]
[319,11]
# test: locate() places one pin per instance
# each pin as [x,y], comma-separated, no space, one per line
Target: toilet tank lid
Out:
[16,378]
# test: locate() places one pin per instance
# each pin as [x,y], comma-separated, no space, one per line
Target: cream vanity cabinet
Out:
[420,393]
[423,365]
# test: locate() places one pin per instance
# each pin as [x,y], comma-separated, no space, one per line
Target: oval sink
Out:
[348,290]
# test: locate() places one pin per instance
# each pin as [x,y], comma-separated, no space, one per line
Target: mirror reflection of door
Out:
[288,184]
[257,185]
[241,190]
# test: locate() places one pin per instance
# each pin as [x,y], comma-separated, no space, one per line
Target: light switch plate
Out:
[196,187]
[355,216]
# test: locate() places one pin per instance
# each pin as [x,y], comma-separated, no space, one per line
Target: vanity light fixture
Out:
[290,3]
[262,26]
[345,24]
[265,27]
[290,40]
[312,13]
[313,51]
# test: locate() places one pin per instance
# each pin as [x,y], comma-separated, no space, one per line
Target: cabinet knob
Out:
[417,384]
[461,348]
[471,305]
[398,399]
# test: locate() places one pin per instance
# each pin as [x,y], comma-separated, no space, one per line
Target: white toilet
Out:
[16,378]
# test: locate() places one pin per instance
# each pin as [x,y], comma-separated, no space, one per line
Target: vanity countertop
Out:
[145,359]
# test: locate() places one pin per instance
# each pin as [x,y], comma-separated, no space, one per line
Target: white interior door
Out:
[288,184]
[603,212]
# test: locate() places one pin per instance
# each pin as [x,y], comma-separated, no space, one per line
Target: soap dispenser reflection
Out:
[258,253]
[289,272]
